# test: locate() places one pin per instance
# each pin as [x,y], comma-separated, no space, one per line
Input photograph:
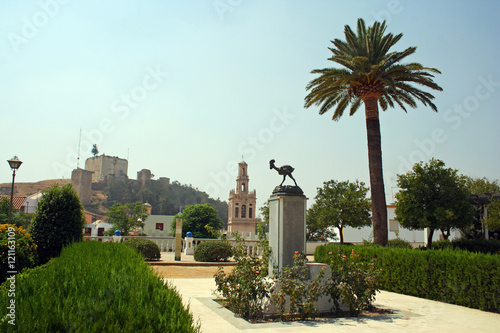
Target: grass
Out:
[94,287]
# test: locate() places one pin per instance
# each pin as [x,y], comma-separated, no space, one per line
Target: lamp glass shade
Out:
[14,163]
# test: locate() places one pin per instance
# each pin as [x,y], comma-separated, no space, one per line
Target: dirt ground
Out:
[188,272]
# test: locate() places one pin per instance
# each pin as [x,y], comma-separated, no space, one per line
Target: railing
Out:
[167,244]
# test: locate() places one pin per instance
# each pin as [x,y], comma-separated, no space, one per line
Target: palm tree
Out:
[373,76]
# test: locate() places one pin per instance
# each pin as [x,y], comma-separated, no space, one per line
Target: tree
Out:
[374,76]
[57,222]
[433,197]
[196,217]
[340,204]
[19,218]
[127,217]
[94,150]
[484,200]
[317,229]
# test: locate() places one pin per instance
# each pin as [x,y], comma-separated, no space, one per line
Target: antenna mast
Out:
[79,143]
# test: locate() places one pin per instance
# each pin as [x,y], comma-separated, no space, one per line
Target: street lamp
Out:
[14,164]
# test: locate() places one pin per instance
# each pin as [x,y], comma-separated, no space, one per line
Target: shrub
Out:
[456,277]
[245,288]
[441,244]
[94,287]
[18,250]
[477,245]
[401,243]
[58,221]
[145,247]
[353,282]
[293,283]
[210,251]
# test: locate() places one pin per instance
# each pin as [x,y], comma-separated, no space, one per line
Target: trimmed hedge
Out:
[94,287]
[145,247]
[477,245]
[210,251]
[451,276]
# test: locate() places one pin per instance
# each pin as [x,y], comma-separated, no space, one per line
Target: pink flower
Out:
[330,253]
[296,252]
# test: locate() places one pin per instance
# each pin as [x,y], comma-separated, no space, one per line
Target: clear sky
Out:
[185,88]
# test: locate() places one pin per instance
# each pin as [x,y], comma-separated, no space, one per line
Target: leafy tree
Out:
[433,197]
[195,218]
[127,217]
[57,222]
[318,229]
[19,218]
[94,150]
[372,75]
[340,204]
[482,185]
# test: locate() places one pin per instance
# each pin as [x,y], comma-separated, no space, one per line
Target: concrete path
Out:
[411,314]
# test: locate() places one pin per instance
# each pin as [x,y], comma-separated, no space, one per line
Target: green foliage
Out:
[95,287]
[401,243]
[339,204]
[433,197]
[145,247]
[127,217]
[245,288]
[295,287]
[165,199]
[457,277]
[17,248]
[211,251]
[493,219]
[482,185]
[353,282]
[442,244]
[195,218]
[19,218]
[477,245]
[58,221]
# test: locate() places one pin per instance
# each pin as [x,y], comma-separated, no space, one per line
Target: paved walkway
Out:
[410,314]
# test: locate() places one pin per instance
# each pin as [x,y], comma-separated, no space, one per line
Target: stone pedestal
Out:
[287,225]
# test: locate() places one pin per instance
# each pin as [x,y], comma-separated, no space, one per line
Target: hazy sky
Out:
[185,88]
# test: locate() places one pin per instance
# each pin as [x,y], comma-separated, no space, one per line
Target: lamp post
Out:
[14,164]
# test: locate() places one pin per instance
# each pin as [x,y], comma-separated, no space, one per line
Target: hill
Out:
[26,189]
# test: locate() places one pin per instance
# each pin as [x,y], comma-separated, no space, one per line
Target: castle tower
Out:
[242,204]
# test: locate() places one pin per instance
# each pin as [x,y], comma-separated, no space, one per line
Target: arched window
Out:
[243,211]
[243,187]
[250,212]
[243,171]
[236,212]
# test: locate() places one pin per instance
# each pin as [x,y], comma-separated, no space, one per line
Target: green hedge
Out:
[94,287]
[451,276]
[477,245]
[210,251]
[146,247]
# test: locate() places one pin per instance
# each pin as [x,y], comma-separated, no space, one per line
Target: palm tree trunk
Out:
[379,208]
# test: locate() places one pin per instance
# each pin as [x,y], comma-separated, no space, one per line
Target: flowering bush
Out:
[17,250]
[353,282]
[294,282]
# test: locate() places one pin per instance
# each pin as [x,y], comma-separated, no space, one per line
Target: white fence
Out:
[167,244]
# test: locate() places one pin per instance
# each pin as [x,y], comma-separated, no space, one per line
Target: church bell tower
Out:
[242,204]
